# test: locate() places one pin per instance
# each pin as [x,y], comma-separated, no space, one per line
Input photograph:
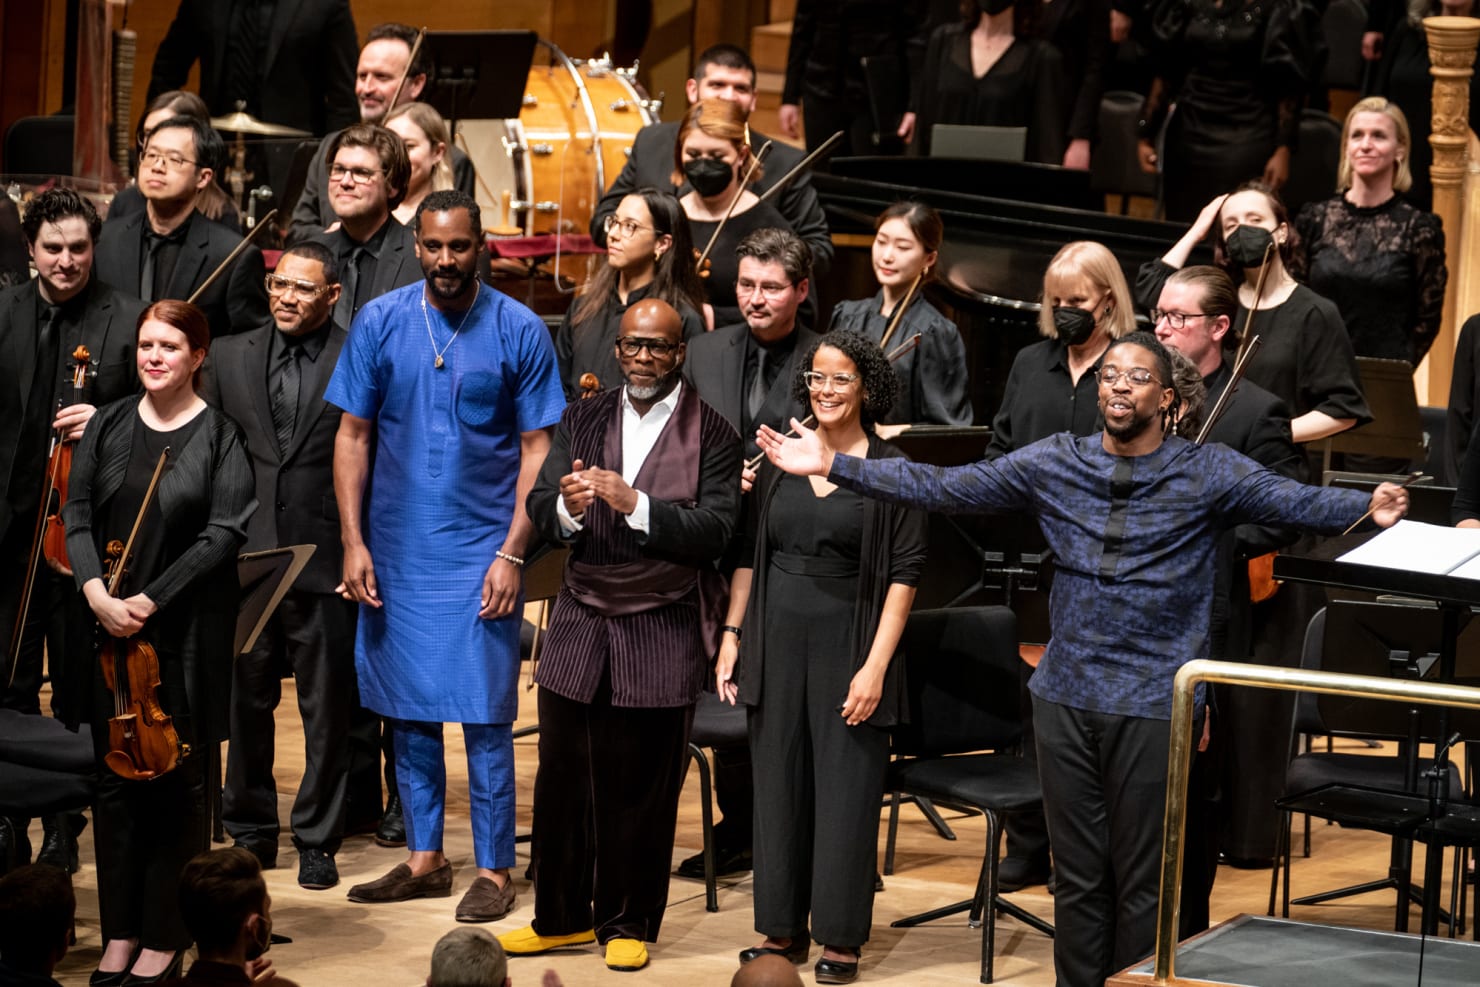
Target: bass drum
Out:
[551,165]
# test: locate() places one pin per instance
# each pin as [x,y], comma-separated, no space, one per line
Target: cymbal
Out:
[244,123]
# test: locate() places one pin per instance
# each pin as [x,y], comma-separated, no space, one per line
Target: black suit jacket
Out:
[314,213]
[236,301]
[715,365]
[107,330]
[396,267]
[295,489]
[651,163]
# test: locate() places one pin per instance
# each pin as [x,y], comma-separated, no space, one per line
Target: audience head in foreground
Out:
[468,957]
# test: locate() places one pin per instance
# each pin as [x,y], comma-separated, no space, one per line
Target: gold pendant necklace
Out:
[438,362]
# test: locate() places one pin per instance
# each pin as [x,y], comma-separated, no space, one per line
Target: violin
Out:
[590,385]
[54,542]
[142,742]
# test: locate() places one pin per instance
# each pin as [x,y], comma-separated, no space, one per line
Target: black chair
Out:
[962,685]
[40,146]
[1310,776]
[1314,162]
[1115,168]
[716,724]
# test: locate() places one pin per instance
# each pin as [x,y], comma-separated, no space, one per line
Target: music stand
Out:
[477,74]
[266,578]
[1396,430]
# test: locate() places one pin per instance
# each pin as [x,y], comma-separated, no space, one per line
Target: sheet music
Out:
[1417,547]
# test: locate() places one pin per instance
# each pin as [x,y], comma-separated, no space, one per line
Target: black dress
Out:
[719,286]
[185,561]
[932,376]
[1384,268]
[1025,87]
[822,569]
[1236,72]
[1080,31]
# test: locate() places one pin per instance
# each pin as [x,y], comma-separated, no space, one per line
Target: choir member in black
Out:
[1305,357]
[1403,77]
[1371,252]
[713,154]
[648,255]
[1052,387]
[821,559]
[989,70]
[932,376]
[1080,30]
[180,596]
[1237,71]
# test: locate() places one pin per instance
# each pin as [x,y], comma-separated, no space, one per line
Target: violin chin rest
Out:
[123,766]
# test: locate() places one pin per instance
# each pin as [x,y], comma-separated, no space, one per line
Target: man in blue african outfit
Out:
[449,393]
[1133,516]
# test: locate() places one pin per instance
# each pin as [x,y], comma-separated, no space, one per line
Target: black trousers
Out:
[735,794]
[818,788]
[1104,787]
[311,636]
[1027,832]
[52,611]
[605,808]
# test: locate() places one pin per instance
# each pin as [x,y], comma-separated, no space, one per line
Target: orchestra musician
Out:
[170,249]
[649,254]
[818,603]
[384,61]
[642,482]
[1133,516]
[723,71]
[932,377]
[42,322]
[424,133]
[212,200]
[714,157]
[179,595]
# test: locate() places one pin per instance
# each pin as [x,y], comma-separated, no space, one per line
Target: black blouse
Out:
[1384,268]
[933,381]
[1041,399]
[1025,87]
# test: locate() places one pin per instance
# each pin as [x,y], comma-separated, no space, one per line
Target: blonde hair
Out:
[1402,171]
[431,123]
[1088,259]
[723,120]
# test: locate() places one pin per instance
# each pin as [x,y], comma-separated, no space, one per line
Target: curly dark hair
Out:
[55,205]
[880,386]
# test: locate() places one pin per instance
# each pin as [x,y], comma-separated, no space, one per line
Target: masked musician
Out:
[648,255]
[170,249]
[723,71]
[42,321]
[932,376]
[1133,516]
[229,913]
[179,596]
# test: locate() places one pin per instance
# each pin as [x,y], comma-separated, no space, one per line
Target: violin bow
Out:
[415,50]
[822,149]
[755,162]
[1240,365]
[128,548]
[909,296]
[1264,265]
[236,252]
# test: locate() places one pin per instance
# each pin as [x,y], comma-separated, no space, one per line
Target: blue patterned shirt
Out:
[1134,540]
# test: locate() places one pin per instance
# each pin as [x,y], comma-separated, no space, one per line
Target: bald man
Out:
[767,971]
[643,484]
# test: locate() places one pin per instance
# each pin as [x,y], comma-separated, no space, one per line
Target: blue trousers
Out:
[421,772]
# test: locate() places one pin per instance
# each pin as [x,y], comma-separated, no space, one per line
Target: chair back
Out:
[1314,162]
[39,146]
[961,682]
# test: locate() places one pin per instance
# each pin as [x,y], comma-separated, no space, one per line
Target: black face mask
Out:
[709,176]
[1246,245]
[993,7]
[1074,325]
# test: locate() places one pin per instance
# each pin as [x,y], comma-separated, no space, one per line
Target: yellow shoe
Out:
[527,942]
[626,955]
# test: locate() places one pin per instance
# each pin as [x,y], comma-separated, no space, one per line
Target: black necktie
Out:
[285,397]
[349,281]
[758,388]
[152,242]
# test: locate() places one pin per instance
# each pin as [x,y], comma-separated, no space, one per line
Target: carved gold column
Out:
[1452,43]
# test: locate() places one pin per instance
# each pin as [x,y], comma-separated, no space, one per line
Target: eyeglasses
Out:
[172,160]
[279,285]
[633,345]
[628,227]
[1136,375]
[744,288]
[1177,320]
[840,382]
[361,176]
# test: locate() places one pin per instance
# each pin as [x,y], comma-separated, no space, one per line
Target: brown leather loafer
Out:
[401,885]
[485,901]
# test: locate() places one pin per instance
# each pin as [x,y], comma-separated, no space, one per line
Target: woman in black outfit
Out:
[1371,252]
[179,595]
[1236,70]
[820,560]
[989,70]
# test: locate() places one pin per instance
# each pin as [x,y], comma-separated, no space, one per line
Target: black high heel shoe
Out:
[796,951]
[837,971]
[168,973]
[113,978]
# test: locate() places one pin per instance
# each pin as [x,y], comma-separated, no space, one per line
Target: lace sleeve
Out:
[1432,275]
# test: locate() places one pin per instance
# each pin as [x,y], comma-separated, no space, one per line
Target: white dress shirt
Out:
[639,434]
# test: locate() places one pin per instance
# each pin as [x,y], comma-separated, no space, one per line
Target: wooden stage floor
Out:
[337,942]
